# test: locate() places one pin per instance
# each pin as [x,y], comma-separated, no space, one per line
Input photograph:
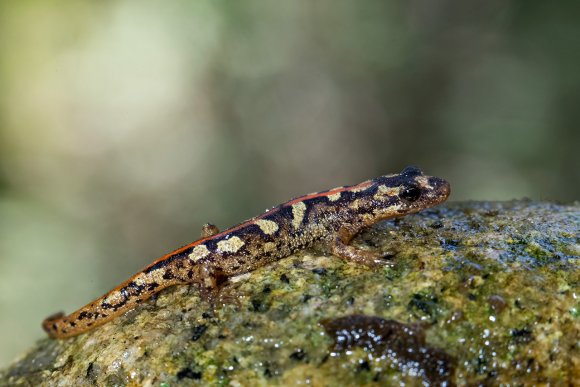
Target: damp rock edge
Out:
[492,285]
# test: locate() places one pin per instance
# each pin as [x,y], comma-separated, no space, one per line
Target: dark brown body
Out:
[330,218]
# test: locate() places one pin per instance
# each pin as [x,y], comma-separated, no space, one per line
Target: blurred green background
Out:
[126,125]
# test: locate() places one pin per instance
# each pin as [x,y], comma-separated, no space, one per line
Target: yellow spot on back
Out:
[140,279]
[389,191]
[298,210]
[334,197]
[423,182]
[269,246]
[356,204]
[113,298]
[361,187]
[268,227]
[198,252]
[230,245]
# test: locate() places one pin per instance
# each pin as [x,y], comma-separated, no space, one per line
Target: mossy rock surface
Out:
[479,292]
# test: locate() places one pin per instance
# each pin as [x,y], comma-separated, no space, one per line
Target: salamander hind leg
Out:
[209,230]
[341,247]
[212,283]
[209,281]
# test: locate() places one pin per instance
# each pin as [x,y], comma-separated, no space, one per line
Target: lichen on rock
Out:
[488,288]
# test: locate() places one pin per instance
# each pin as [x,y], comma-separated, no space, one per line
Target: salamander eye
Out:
[411,193]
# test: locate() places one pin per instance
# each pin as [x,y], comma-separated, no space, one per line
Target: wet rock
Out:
[492,285]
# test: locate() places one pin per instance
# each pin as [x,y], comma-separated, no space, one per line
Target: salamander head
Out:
[408,192]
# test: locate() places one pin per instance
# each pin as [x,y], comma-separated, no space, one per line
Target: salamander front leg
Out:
[341,247]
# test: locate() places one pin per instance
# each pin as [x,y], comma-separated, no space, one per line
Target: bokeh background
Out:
[126,125]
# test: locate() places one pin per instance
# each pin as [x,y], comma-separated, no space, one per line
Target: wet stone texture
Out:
[478,293]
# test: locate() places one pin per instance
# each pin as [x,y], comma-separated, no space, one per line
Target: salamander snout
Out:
[440,188]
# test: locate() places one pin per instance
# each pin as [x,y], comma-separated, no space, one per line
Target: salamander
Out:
[329,218]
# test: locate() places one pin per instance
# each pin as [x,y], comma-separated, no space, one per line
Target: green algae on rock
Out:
[492,288]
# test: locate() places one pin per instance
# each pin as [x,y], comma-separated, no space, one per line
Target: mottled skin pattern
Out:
[329,219]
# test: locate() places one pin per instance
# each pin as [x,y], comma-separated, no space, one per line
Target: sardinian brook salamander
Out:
[329,218]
